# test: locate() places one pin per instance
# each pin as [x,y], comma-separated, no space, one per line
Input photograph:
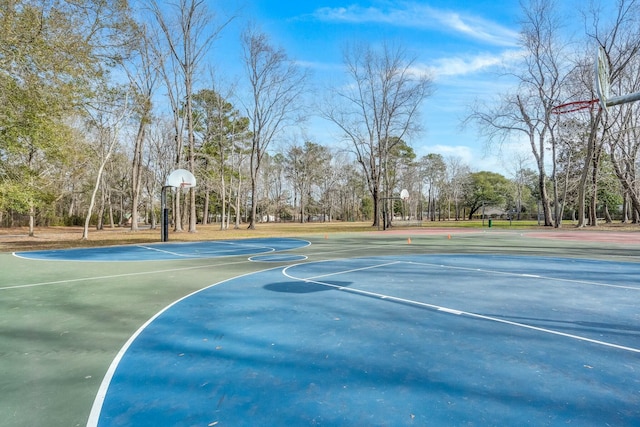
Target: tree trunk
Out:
[223,203]
[177,212]
[544,198]
[628,186]
[136,171]
[254,202]
[32,221]
[205,208]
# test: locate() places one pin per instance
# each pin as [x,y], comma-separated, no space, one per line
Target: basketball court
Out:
[393,328]
[409,327]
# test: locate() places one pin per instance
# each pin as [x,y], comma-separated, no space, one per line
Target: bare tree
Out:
[456,174]
[189,36]
[378,109]
[222,128]
[276,83]
[620,40]
[159,159]
[107,119]
[528,112]
[143,77]
[306,164]
[433,172]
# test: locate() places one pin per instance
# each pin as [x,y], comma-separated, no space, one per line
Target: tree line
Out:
[101,100]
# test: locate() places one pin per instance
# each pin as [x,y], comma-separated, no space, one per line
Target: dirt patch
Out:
[629,238]
[18,239]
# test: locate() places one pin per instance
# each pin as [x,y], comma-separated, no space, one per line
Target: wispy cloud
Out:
[414,15]
[463,65]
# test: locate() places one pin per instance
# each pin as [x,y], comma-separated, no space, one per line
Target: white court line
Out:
[270,249]
[354,269]
[535,276]
[139,273]
[115,276]
[167,252]
[450,310]
[96,408]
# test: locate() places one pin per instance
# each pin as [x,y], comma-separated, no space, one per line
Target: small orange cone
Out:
[326,236]
[449,236]
[409,241]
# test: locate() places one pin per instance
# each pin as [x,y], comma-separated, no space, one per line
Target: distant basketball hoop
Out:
[404,195]
[179,178]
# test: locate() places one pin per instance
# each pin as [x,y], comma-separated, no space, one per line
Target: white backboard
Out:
[181,178]
[602,77]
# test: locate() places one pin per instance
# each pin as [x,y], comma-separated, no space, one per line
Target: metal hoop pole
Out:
[164,227]
[623,99]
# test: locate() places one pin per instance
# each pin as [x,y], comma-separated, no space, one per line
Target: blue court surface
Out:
[442,340]
[169,251]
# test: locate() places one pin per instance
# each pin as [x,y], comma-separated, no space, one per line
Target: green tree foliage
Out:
[433,173]
[307,165]
[51,53]
[401,156]
[222,131]
[486,189]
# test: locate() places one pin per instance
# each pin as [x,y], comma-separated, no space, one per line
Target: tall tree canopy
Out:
[51,56]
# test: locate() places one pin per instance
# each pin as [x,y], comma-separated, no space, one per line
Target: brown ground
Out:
[17,239]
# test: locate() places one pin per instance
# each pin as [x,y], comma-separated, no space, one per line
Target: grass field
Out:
[17,239]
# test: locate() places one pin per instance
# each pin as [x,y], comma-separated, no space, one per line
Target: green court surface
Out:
[62,323]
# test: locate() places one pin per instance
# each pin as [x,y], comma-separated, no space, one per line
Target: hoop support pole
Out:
[164,222]
[623,99]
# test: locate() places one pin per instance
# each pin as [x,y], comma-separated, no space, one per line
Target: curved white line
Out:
[96,408]
[228,242]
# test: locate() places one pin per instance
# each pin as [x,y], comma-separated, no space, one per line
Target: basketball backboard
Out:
[602,77]
[181,178]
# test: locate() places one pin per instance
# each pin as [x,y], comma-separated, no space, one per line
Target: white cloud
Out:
[462,65]
[463,152]
[475,27]
[414,15]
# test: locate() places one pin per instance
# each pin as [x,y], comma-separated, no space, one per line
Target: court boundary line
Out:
[98,403]
[269,249]
[446,309]
[482,270]
[59,282]
[115,276]
[531,276]
[149,248]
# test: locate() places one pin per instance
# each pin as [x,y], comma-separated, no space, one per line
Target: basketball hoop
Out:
[570,107]
[179,178]
[404,195]
[185,186]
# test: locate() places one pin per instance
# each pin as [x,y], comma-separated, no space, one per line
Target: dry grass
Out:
[18,239]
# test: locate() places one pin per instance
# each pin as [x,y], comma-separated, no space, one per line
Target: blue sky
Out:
[461,43]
